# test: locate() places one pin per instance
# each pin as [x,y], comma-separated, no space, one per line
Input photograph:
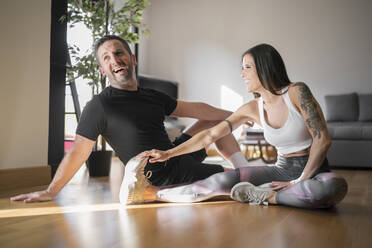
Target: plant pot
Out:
[99,163]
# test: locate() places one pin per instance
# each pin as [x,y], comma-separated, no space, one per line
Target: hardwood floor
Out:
[87,214]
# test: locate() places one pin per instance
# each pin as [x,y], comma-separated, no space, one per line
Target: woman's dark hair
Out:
[270,67]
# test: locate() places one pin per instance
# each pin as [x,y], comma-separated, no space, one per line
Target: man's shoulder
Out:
[94,101]
[103,97]
[94,105]
[105,92]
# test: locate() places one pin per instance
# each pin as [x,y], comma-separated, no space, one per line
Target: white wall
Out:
[24,92]
[325,43]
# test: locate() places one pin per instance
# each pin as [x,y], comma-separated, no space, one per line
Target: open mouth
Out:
[120,69]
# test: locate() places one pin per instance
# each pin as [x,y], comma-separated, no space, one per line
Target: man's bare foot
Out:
[135,187]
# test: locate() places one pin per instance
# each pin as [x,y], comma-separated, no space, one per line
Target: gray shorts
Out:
[285,169]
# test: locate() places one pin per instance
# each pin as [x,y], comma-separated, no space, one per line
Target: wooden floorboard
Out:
[87,214]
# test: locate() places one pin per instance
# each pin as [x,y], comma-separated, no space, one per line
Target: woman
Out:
[292,121]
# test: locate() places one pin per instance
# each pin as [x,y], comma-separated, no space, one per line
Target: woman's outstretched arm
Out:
[208,136]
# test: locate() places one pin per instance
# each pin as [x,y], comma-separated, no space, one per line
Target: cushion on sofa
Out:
[350,130]
[367,132]
[342,107]
[365,107]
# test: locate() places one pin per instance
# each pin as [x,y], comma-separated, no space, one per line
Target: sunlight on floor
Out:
[38,211]
[22,212]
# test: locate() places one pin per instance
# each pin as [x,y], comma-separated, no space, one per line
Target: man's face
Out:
[117,64]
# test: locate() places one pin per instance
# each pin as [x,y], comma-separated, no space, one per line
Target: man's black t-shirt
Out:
[130,121]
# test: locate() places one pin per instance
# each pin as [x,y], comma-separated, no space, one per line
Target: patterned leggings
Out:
[323,190]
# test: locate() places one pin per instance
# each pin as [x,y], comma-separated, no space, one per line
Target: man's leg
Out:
[137,189]
[227,146]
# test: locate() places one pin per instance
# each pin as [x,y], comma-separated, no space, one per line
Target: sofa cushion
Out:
[367,131]
[342,107]
[350,130]
[365,107]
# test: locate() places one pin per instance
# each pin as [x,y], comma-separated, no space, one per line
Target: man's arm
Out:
[69,165]
[201,111]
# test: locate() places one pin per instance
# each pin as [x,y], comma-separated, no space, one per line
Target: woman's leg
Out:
[220,184]
[217,184]
[322,191]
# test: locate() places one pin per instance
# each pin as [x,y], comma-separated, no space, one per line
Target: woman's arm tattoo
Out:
[309,106]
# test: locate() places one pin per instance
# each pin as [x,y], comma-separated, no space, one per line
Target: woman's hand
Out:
[157,155]
[39,196]
[276,186]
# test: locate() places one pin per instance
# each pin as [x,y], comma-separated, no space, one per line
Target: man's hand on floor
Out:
[38,196]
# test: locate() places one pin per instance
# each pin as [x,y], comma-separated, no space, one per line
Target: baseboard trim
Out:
[24,177]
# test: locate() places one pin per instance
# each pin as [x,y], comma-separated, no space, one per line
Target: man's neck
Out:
[130,85]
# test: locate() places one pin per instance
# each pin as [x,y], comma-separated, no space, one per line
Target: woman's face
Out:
[249,74]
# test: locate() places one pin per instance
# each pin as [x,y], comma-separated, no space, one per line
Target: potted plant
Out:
[101,17]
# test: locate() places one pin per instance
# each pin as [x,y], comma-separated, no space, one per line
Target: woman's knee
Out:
[327,191]
[337,189]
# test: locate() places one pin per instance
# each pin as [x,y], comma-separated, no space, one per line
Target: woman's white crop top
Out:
[293,136]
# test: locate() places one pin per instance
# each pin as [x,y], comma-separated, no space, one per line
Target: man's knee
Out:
[181,139]
[199,155]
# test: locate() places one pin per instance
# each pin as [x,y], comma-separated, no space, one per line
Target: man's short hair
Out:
[105,38]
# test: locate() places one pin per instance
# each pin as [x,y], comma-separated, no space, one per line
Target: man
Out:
[131,120]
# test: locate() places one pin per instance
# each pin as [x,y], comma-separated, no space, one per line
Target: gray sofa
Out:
[349,121]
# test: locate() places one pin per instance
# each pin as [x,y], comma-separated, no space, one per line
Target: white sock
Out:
[238,160]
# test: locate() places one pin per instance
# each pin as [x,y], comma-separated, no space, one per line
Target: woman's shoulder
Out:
[252,104]
[299,93]
[249,111]
[298,88]
[250,108]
